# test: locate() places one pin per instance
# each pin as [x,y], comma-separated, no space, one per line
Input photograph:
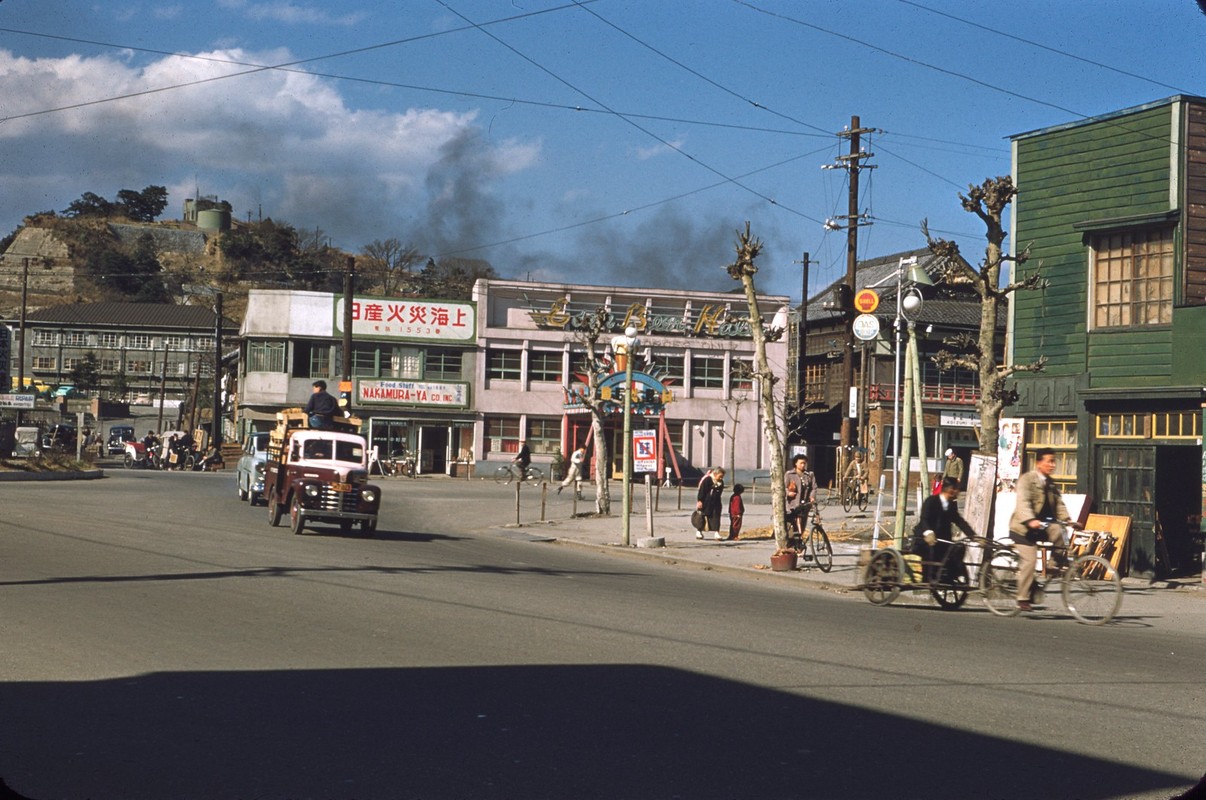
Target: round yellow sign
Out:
[866,301]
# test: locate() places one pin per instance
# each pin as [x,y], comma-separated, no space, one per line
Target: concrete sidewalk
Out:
[848,532]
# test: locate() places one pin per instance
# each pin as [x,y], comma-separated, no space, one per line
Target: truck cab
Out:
[319,476]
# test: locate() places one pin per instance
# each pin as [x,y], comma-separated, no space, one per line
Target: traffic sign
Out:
[644,451]
[865,327]
[866,301]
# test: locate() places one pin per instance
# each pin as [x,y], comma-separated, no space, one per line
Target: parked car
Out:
[26,442]
[118,436]
[60,438]
[249,472]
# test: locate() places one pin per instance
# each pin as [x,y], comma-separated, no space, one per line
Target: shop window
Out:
[442,364]
[311,359]
[1132,278]
[544,366]
[1061,437]
[504,365]
[265,356]
[668,368]
[707,372]
[814,383]
[1177,425]
[1123,426]
[364,360]
[406,363]
[743,374]
[502,434]
[544,435]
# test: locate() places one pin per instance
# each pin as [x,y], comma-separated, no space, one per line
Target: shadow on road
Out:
[608,731]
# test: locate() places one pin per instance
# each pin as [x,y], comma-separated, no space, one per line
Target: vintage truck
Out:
[319,475]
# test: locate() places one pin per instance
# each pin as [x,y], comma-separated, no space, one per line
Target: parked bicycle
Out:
[400,463]
[508,473]
[813,547]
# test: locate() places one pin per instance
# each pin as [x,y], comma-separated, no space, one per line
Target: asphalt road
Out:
[160,640]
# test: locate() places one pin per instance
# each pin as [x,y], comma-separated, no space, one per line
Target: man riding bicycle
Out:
[1039,502]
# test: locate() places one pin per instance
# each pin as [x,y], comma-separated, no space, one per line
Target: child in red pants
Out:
[736,512]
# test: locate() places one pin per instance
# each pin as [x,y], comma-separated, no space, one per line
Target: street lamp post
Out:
[907,309]
[626,346]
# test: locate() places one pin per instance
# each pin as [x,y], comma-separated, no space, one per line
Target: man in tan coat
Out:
[1038,501]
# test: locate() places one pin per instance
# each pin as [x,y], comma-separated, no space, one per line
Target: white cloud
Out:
[659,149]
[286,142]
[291,13]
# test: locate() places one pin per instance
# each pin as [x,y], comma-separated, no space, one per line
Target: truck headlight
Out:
[368,495]
[311,490]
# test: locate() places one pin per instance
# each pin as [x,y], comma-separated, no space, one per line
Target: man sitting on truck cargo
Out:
[321,407]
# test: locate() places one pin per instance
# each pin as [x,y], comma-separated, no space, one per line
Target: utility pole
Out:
[852,163]
[345,383]
[215,436]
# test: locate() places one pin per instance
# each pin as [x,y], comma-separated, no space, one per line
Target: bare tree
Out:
[987,201]
[387,262]
[743,269]
[593,366]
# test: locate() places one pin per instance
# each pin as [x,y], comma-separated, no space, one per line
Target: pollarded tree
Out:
[744,269]
[987,201]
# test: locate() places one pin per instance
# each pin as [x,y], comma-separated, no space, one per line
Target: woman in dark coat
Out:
[709,501]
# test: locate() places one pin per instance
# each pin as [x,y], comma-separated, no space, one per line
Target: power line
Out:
[630,122]
[370,81]
[1032,43]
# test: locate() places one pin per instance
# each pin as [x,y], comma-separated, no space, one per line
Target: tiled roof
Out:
[952,306]
[128,315]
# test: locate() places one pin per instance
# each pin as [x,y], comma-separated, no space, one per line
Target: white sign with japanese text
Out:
[404,318]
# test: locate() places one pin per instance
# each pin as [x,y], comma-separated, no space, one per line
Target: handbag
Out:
[698,520]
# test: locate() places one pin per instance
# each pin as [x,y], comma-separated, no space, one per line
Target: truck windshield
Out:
[349,451]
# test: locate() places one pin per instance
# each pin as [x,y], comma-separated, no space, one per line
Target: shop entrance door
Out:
[433,449]
[1126,485]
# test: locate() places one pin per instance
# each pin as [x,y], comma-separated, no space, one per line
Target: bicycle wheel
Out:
[822,551]
[847,497]
[533,475]
[883,576]
[999,581]
[1092,590]
[863,498]
[503,475]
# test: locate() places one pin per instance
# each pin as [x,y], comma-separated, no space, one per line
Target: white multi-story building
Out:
[459,382]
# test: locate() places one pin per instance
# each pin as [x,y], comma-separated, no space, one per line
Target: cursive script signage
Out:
[710,319]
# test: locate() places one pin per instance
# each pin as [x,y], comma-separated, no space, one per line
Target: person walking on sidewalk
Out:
[575,469]
[708,500]
[953,468]
[736,511]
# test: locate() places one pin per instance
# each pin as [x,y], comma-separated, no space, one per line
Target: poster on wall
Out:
[1009,447]
[981,488]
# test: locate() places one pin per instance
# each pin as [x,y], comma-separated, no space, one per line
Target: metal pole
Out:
[902,487]
[649,504]
[919,409]
[896,386]
[163,388]
[628,354]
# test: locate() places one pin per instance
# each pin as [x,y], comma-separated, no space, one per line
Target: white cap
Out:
[949,452]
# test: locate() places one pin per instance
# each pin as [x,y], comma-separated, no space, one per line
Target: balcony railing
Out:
[930,393]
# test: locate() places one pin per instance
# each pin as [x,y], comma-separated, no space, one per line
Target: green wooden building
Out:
[1113,209]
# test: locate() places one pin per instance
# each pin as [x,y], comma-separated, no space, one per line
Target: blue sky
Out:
[611,142]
